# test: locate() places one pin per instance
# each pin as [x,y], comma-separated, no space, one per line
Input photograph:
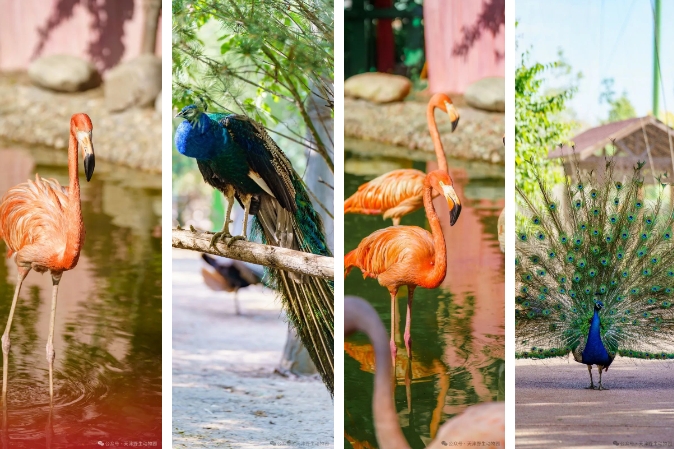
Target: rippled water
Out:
[107,380]
[457,329]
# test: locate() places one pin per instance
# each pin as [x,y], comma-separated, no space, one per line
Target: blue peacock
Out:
[236,156]
[595,271]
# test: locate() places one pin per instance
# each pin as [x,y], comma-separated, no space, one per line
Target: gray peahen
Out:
[595,277]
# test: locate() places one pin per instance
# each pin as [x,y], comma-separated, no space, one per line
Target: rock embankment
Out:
[30,115]
[479,135]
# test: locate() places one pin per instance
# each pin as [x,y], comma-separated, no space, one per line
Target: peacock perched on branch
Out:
[595,270]
[236,156]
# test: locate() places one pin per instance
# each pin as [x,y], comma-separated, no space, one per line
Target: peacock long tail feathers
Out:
[308,301]
[599,240]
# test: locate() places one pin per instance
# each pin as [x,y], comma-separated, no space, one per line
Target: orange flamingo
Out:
[41,223]
[400,192]
[408,255]
[483,422]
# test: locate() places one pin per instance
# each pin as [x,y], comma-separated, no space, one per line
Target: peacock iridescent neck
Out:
[200,138]
[437,274]
[435,136]
[595,352]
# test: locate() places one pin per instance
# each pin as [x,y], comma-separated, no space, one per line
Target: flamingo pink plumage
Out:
[41,223]
[408,255]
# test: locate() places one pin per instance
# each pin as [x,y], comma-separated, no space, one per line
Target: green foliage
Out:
[262,58]
[619,108]
[536,128]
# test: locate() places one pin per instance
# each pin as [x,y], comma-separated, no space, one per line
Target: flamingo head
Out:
[444,103]
[81,128]
[442,183]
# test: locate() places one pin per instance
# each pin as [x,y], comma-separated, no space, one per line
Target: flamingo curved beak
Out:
[85,143]
[453,115]
[453,202]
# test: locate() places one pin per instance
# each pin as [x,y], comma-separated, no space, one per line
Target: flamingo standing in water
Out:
[400,192]
[408,255]
[41,223]
[483,422]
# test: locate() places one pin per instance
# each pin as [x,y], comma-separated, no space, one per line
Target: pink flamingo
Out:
[482,422]
[41,223]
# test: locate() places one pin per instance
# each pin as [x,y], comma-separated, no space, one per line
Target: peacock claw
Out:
[591,387]
[234,238]
[219,235]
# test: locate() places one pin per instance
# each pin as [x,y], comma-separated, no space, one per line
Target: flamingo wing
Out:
[396,193]
[396,253]
[30,213]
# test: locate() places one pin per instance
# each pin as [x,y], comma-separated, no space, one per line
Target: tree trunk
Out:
[152,10]
[320,180]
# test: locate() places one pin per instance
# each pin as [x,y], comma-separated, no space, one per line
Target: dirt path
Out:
[225,394]
[553,409]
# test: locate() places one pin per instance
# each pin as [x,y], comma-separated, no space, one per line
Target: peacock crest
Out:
[598,241]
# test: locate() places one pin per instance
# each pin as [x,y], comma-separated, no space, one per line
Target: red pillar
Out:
[385,41]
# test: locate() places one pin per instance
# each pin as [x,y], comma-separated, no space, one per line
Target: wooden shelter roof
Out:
[633,139]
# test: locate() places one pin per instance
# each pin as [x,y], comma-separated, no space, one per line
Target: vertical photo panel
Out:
[424,315]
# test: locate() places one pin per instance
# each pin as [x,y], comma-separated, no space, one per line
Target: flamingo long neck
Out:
[74,208]
[437,274]
[389,433]
[435,135]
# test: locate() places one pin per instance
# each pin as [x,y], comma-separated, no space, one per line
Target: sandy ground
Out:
[225,392]
[553,409]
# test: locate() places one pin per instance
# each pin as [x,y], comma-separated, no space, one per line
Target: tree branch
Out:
[267,255]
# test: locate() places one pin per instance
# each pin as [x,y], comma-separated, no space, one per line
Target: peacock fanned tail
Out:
[601,242]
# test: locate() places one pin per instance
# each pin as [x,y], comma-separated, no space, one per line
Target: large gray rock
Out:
[63,73]
[135,83]
[377,87]
[487,94]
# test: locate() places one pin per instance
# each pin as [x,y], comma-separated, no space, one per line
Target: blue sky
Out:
[601,39]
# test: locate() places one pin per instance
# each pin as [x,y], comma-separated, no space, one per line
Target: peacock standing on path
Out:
[596,277]
[236,156]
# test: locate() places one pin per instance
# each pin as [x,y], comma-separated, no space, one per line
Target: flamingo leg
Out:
[51,354]
[23,272]
[396,221]
[394,349]
[408,322]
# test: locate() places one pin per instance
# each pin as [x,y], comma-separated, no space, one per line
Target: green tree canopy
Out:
[537,128]
[619,108]
[262,58]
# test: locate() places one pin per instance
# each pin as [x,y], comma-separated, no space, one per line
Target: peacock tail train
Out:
[308,300]
[601,242]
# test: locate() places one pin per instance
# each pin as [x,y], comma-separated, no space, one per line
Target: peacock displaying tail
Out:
[595,270]
[236,156]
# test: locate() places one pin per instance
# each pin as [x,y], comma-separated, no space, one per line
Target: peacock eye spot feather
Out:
[638,204]
[616,201]
[613,219]
[577,277]
[650,301]
[541,297]
[592,272]
[602,289]
[562,279]
[578,204]
[523,237]
[670,273]
[545,289]
[540,236]
[524,289]
[634,290]
[618,185]
[594,193]
[552,207]
[667,236]
[535,220]
[563,239]
[570,258]
[654,260]
[644,236]
[580,186]
[552,255]
[625,274]
[541,273]
[562,290]
[666,304]
[655,288]
[619,298]
[614,282]
[587,290]
[595,212]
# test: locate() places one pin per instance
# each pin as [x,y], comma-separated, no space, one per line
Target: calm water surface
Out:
[457,329]
[107,381]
